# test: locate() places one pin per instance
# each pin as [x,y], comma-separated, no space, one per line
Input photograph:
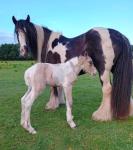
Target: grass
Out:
[53,133]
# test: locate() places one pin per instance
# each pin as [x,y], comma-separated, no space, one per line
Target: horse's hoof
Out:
[102,116]
[51,107]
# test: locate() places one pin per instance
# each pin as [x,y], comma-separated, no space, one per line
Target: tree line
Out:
[11,52]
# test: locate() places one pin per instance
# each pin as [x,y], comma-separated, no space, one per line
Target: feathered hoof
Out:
[51,106]
[102,116]
[131,108]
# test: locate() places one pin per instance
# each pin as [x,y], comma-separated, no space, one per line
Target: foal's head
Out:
[87,65]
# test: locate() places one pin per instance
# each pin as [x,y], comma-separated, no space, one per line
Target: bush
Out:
[10,52]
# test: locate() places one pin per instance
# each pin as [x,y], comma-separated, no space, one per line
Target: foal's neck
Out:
[76,66]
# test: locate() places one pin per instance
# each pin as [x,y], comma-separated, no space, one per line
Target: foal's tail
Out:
[122,81]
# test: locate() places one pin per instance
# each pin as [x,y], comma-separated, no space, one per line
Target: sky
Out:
[71,17]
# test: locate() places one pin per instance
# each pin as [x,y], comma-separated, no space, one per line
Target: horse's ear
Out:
[28,18]
[14,20]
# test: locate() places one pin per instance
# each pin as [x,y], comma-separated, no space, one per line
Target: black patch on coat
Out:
[53,58]
[94,49]
[47,34]
[61,40]
[116,38]
[55,43]
[75,47]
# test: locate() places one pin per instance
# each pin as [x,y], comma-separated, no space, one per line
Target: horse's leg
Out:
[68,94]
[104,111]
[131,107]
[26,109]
[54,101]
[61,95]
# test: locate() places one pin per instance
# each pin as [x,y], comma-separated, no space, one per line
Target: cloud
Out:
[6,38]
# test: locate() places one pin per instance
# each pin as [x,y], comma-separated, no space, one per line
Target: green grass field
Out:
[53,133]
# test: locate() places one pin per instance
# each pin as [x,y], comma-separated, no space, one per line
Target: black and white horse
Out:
[109,49]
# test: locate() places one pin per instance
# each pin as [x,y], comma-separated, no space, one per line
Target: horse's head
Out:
[21,32]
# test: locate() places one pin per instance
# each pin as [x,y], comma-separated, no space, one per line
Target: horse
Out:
[64,74]
[109,49]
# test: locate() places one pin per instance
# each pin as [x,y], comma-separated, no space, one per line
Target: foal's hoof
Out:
[30,129]
[72,125]
[33,131]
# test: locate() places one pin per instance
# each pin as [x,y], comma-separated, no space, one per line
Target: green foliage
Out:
[10,52]
[53,133]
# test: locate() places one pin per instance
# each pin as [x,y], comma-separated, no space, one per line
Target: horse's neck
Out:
[45,37]
[40,41]
[53,36]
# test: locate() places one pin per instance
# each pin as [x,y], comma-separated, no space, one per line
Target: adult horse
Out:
[109,49]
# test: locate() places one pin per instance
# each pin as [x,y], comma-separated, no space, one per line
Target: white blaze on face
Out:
[40,40]
[22,41]
[107,47]
[60,48]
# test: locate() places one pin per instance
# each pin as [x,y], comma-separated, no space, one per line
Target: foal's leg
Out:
[23,105]
[27,92]
[26,109]
[68,94]
[54,101]
[104,111]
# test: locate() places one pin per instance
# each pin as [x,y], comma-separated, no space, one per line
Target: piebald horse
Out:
[109,49]
[63,75]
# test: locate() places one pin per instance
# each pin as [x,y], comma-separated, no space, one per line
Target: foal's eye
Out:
[91,63]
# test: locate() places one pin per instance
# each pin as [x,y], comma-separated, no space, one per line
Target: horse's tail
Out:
[122,81]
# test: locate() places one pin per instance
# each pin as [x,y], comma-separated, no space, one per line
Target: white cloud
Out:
[6,37]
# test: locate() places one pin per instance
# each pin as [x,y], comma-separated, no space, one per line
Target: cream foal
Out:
[42,74]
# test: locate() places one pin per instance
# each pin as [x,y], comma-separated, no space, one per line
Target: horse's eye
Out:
[16,30]
[25,30]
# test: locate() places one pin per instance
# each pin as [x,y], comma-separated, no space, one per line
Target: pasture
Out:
[53,132]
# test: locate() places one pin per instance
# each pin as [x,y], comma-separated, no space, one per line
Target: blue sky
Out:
[71,17]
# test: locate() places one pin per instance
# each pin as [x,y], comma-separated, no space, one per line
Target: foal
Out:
[42,74]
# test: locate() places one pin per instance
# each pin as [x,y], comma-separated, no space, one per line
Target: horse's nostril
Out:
[26,48]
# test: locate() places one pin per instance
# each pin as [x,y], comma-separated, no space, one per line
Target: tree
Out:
[10,52]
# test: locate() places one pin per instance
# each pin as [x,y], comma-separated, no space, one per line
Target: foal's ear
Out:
[85,54]
[28,18]
[14,20]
